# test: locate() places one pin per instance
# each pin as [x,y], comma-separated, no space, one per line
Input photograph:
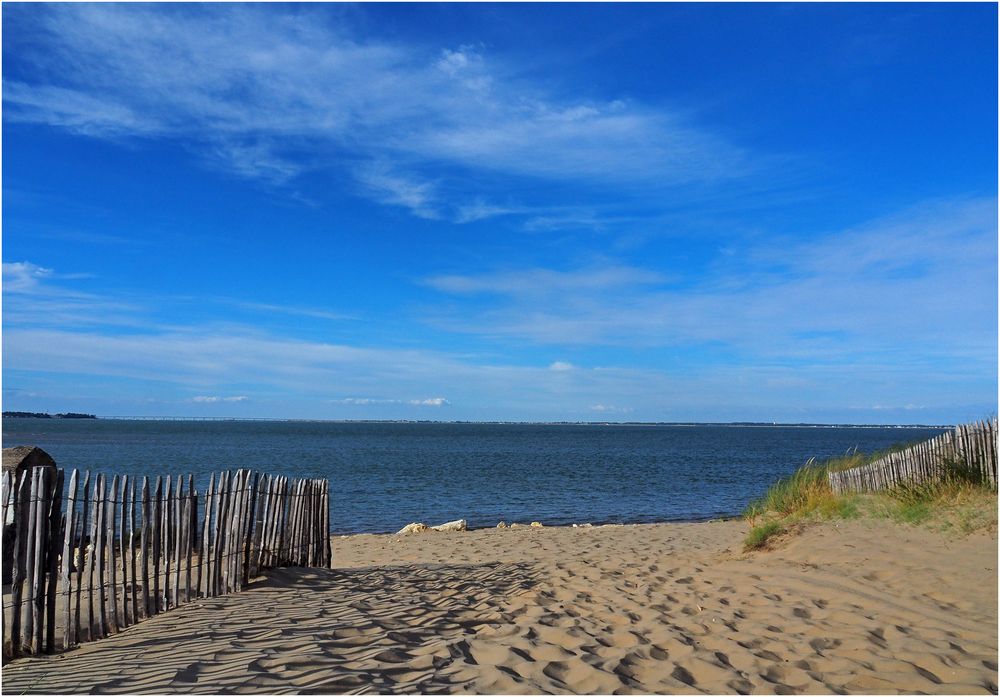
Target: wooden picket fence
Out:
[973,446]
[88,563]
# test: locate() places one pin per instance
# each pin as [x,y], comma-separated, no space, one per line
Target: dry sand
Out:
[864,606]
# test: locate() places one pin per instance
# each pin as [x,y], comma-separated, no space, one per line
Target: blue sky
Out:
[517,212]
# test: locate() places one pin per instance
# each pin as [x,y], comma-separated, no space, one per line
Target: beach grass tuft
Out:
[761,534]
[803,492]
[961,501]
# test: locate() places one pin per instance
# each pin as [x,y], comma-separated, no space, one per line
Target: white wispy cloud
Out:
[397,189]
[561,366]
[296,310]
[534,282]
[373,401]
[253,160]
[270,93]
[23,276]
[574,218]
[481,210]
[920,284]
[610,409]
[36,295]
[74,110]
[203,399]
[365,401]
[431,402]
[26,277]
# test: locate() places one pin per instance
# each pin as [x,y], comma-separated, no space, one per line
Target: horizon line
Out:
[117,417]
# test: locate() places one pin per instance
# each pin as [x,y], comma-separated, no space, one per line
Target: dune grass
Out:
[759,536]
[961,502]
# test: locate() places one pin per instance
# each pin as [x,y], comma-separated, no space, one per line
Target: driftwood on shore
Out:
[133,555]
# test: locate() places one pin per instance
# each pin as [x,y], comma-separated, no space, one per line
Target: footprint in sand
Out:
[877,637]
[681,673]
[556,670]
[723,659]
[393,656]
[740,686]
[926,674]
[658,654]
[819,644]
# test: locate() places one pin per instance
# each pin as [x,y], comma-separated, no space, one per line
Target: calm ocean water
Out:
[385,475]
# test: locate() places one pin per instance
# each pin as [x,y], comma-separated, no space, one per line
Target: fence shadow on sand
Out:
[375,629]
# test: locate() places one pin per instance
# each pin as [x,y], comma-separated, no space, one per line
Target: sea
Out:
[384,475]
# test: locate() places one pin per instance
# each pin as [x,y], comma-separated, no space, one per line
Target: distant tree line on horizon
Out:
[42,415]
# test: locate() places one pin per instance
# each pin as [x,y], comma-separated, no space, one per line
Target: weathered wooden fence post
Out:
[144,541]
[22,511]
[69,543]
[204,558]
[55,539]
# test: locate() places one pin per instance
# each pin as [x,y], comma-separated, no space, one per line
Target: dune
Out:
[850,607]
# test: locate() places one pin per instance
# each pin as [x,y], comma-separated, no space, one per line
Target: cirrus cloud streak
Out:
[270,95]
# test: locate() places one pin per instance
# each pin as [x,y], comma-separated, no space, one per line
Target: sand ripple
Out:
[860,607]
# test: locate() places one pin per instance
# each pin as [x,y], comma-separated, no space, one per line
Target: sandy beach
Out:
[849,607]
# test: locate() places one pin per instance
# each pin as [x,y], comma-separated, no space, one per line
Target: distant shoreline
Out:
[729,424]
[44,415]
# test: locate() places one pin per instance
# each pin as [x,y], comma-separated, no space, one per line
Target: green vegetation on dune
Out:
[759,536]
[960,502]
